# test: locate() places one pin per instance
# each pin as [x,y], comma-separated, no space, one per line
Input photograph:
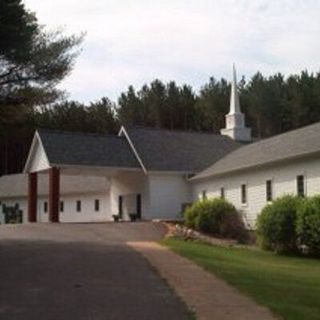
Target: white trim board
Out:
[123,131]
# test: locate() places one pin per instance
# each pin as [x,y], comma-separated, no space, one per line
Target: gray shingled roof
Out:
[167,150]
[16,185]
[293,144]
[74,148]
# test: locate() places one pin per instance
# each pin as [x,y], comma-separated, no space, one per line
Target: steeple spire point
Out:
[235,122]
[234,98]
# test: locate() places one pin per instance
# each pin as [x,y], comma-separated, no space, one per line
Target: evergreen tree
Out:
[32,63]
[213,105]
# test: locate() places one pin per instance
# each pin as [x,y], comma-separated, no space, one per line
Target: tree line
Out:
[33,61]
[272,105]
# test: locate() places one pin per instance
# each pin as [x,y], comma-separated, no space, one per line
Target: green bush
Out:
[190,214]
[308,224]
[276,225]
[215,216]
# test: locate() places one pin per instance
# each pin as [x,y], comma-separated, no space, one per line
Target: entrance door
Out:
[129,206]
[138,206]
[120,206]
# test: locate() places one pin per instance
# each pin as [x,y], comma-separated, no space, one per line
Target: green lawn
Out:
[289,286]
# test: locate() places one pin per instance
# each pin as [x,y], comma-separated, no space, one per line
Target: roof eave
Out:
[124,131]
[243,169]
[62,166]
[169,172]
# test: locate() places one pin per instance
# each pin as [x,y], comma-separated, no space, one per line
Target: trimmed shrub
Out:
[232,226]
[276,225]
[215,216]
[190,214]
[308,224]
[207,219]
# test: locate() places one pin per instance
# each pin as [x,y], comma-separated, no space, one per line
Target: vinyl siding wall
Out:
[162,194]
[283,178]
[167,193]
[69,214]
[87,213]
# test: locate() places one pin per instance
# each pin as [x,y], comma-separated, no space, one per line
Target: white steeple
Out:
[234,99]
[235,123]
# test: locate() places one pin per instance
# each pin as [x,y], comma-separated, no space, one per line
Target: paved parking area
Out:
[82,271]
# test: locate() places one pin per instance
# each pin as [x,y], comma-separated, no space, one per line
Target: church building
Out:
[153,174]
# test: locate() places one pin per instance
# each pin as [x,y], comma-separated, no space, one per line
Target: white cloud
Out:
[135,41]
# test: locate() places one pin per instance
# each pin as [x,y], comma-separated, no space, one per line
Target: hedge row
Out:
[290,224]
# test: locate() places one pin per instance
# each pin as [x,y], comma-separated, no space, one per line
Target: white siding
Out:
[283,177]
[87,213]
[167,192]
[162,194]
[69,214]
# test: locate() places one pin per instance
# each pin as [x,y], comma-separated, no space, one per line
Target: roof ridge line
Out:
[174,130]
[57,131]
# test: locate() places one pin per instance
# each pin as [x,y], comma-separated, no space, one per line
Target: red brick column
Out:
[54,194]
[32,196]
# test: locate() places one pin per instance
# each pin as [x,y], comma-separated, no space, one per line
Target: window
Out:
[222,193]
[204,194]
[269,190]
[243,193]
[96,205]
[61,206]
[300,186]
[78,205]
[45,207]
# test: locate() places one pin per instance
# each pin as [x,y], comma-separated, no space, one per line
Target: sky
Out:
[132,42]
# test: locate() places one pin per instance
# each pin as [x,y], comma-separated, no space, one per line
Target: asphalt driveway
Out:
[82,271]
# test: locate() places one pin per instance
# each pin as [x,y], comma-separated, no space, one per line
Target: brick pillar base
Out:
[32,196]
[54,194]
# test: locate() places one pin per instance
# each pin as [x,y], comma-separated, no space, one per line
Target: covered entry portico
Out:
[123,198]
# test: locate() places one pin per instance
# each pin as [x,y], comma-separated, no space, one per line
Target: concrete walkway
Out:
[209,297]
